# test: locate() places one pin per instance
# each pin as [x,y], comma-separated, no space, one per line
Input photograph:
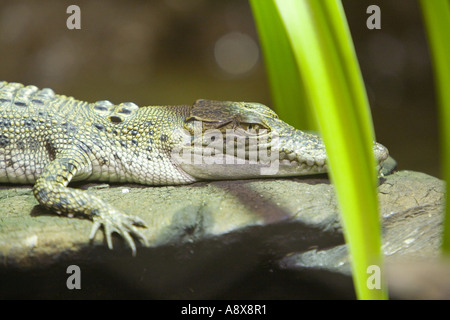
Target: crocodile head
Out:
[236,140]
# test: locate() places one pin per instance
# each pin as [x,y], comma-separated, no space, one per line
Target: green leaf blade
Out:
[332,81]
[289,99]
[436,14]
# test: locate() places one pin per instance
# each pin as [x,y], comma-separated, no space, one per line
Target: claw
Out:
[140,236]
[139,222]
[94,229]
[108,232]
[130,242]
[121,224]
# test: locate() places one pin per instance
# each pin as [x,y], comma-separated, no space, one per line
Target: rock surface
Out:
[222,239]
[411,208]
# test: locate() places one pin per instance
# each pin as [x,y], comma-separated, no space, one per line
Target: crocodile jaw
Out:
[294,154]
[226,131]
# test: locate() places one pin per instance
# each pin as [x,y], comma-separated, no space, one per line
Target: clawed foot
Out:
[124,225]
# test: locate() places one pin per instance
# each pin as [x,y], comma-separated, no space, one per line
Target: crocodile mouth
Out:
[222,154]
[230,153]
[313,159]
[308,167]
[301,153]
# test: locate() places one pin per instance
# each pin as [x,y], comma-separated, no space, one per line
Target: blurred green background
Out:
[176,51]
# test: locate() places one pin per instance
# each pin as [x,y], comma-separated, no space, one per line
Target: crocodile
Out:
[49,140]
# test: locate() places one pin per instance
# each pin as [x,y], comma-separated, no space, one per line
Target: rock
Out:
[207,239]
[411,205]
[176,215]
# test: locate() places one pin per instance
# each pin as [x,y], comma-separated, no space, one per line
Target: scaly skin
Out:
[50,140]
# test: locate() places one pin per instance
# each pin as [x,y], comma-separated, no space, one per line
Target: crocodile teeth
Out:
[320,162]
[304,167]
[291,156]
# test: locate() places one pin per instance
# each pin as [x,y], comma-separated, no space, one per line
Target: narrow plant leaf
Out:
[322,46]
[436,15]
[289,98]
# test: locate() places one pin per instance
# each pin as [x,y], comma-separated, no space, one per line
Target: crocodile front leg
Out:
[52,192]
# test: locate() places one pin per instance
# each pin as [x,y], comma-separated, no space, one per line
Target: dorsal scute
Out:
[114,113]
[21,95]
